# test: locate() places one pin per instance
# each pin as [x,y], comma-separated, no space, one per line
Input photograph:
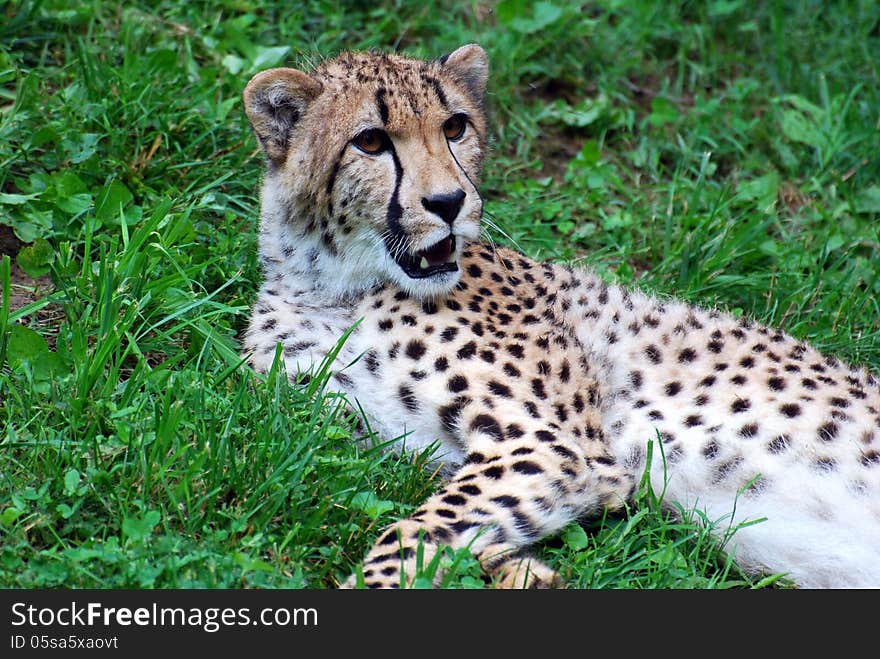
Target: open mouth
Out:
[439,257]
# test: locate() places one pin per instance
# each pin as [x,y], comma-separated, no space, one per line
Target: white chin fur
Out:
[427,288]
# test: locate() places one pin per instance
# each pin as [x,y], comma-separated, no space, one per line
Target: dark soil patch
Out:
[26,289]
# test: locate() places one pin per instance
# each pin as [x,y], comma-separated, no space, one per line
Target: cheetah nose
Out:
[445,206]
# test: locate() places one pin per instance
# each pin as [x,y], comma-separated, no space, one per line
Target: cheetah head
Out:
[373,163]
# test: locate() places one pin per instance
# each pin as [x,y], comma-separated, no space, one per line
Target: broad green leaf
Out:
[269,57]
[370,504]
[868,200]
[139,528]
[79,147]
[110,200]
[24,345]
[9,515]
[16,199]
[36,258]
[74,204]
[575,537]
[71,481]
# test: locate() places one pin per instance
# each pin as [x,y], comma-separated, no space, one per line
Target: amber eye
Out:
[454,127]
[371,141]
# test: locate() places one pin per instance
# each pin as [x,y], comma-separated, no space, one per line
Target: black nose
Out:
[445,206]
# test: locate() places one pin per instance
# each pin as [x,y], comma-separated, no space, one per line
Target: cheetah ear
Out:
[469,65]
[274,101]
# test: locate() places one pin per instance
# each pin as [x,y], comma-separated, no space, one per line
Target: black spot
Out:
[693,420]
[747,362]
[450,414]
[472,459]
[715,346]
[511,370]
[778,444]
[828,431]
[738,379]
[687,355]
[381,105]
[825,464]
[429,307]
[500,389]
[740,405]
[870,458]
[708,381]
[749,430]
[408,398]
[839,402]
[457,383]
[532,409]
[710,450]
[462,525]
[653,354]
[371,359]
[495,472]
[527,467]
[727,467]
[776,384]
[487,425]
[506,500]
[516,350]
[561,412]
[809,383]
[545,436]
[454,499]
[386,324]
[513,430]
[415,349]
[635,378]
[473,490]
[655,415]
[524,525]
[538,388]
[790,410]
[487,356]
[441,364]
[467,350]
[343,379]
[564,371]
[445,512]
[672,388]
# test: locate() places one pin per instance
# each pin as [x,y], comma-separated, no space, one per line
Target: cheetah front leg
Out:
[509,493]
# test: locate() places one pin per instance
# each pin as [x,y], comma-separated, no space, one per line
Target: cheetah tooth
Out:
[424,263]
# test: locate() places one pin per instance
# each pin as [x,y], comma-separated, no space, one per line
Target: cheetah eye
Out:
[372,141]
[454,127]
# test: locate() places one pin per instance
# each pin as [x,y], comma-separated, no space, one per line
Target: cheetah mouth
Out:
[434,260]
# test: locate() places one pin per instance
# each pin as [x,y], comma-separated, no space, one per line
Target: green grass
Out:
[726,152]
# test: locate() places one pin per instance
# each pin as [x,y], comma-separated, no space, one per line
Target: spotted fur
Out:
[543,384]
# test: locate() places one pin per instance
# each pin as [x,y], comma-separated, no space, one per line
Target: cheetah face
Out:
[378,157]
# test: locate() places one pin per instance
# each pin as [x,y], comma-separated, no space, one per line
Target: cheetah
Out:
[544,386]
